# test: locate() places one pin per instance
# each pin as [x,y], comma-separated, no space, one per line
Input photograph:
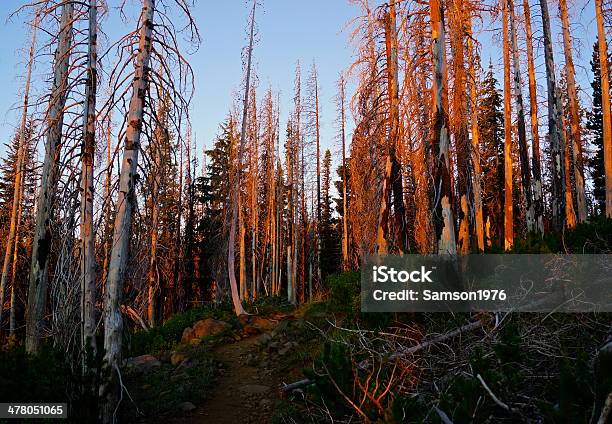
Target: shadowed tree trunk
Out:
[538,206]
[555,132]
[520,112]
[443,214]
[37,292]
[113,322]
[88,253]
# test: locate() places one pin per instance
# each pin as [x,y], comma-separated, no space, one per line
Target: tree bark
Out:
[345,241]
[520,112]
[572,95]
[88,253]
[113,321]
[605,102]
[238,309]
[37,291]
[443,215]
[538,206]
[508,205]
[557,141]
[475,152]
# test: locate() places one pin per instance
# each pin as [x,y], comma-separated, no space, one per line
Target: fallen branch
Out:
[411,350]
[129,311]
[442,415]
[495,398]
[296,385]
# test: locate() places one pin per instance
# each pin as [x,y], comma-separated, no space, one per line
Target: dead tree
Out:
[538,206]
[508,206]
[557,139]
[521,130]
[88,254]
[235,202]
[38,285]
[443,213]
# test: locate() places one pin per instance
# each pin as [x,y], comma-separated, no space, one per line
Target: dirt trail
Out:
[244,392]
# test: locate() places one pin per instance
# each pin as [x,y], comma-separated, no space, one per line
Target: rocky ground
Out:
[218,373]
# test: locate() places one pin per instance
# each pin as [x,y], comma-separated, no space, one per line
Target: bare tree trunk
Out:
[572,95]
[88,253]
[520,112]
[475,152]
[605,101]
[318,136]
[443,215]
[508,212]
[113,322]
[17,188]
[37,292]
[238,309]
[107,200]
[153,265]
[345,240]
[557,141]
[459,124]
[538,206]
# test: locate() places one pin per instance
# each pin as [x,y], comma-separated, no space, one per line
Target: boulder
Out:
[204,328]
[143,363]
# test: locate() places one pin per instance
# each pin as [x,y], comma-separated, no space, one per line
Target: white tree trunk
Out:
[113,322]
[37,291]
[88,254]
[557,139]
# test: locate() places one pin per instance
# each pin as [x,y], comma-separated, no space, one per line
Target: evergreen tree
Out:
[595,127]
[330,230]
[491,127]
[212,191]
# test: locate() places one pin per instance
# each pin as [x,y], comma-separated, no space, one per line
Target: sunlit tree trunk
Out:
[508,212]
[475,151]
[538,206]
[13,235]
[521,130]
[459,124]
[88,253]
[318,141]
[557,141]
[443,214]
[37,292]
[572,95]
[605,102]
[113,322]
[345,240]
[231,267]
